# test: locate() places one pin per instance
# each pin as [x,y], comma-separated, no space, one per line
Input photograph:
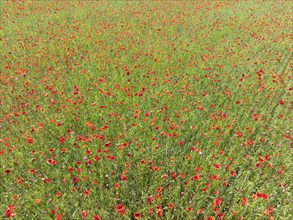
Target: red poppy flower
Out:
[75,180]
[29,140]
[123,177]
[120,209]
[281,102]
[218,201]
[195,177]
[86,192]
[59,217]
[96,158]
[84,214]
[239,134]
[116,185]
[255,117]
[104,127]
[189,209]
[61,140]
[216,166]
[109,157]
[53,212]
[221,216]
[232,173]
[9,211]
[51,161]
[96,217]
[136,215]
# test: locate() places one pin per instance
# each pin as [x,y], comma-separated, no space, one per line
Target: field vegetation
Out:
[146,110]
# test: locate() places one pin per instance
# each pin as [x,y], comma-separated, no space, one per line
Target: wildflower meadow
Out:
[146,110]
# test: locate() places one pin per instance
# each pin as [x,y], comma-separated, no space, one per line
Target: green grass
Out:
[174,109]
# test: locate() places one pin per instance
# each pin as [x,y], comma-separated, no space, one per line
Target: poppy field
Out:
[146,110]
